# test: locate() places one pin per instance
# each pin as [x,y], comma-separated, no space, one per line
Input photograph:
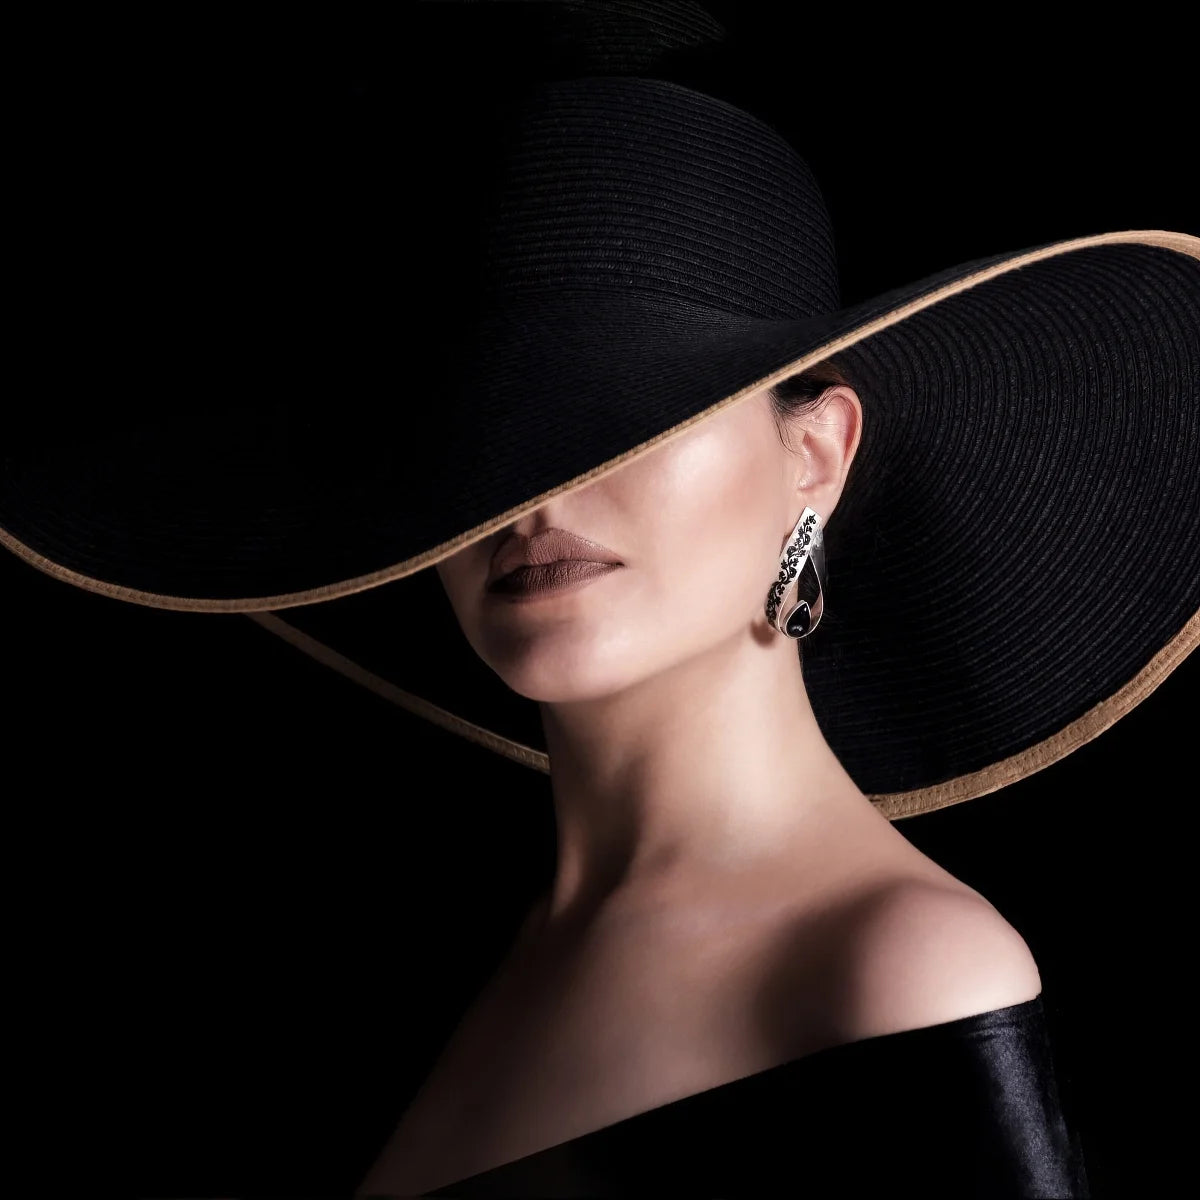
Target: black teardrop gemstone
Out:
[798,621]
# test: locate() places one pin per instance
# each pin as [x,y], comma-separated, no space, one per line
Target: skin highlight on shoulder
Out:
[924,954]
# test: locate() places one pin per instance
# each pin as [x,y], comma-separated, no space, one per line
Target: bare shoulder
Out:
[921,953]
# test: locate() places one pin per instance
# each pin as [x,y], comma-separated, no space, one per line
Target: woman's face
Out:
[698,523]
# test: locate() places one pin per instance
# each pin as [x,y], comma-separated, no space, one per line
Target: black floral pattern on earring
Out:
[796,551]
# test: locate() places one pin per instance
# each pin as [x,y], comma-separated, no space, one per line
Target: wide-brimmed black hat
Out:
[1015,562]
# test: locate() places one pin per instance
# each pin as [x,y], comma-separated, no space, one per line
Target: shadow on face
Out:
[698,523]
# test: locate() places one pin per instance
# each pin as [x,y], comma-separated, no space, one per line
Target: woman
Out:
[742,978]
[725,899]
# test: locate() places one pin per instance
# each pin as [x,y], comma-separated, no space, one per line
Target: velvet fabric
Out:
[966,1108]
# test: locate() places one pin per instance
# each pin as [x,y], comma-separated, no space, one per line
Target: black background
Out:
[252,898]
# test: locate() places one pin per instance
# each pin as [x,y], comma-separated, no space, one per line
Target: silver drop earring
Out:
[804,545]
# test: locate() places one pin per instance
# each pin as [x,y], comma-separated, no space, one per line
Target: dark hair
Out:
[799,393]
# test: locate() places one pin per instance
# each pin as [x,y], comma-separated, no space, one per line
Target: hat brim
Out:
[1031,415]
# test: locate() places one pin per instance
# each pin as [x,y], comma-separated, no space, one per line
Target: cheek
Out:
[461,575]
[714,535]
[702,521]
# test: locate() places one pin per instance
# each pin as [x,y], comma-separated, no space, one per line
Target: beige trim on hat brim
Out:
[1185,243]
[894,805]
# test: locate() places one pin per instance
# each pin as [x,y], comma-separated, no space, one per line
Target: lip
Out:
[548,546]
[550,579]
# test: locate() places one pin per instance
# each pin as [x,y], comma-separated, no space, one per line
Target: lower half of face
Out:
[698,524]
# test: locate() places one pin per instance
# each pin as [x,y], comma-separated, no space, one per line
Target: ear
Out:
[825,440]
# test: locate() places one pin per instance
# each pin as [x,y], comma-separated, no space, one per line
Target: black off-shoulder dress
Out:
[966,1108]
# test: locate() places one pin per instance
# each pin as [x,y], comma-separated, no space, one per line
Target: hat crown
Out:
[617,184]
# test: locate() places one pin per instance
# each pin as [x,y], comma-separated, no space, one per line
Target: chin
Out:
[560,679]
[553,688]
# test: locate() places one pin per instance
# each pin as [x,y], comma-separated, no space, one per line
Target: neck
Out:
[696,774]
